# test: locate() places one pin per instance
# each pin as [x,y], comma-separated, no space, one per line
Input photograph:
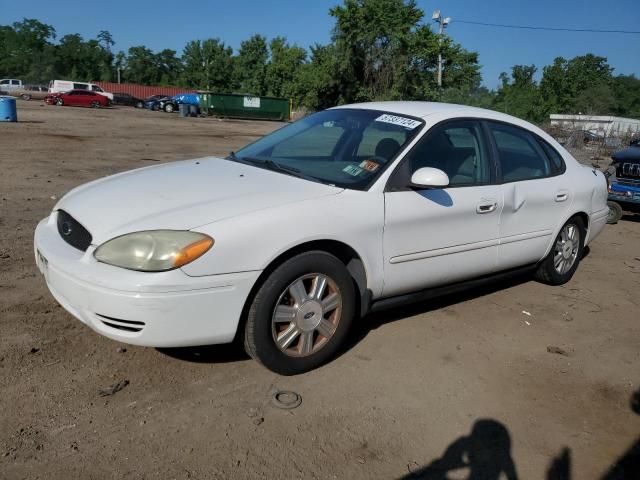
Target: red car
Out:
[77,98]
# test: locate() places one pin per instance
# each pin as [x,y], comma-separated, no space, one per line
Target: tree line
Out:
[379,50]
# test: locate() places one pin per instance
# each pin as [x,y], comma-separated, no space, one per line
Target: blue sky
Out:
[163,24]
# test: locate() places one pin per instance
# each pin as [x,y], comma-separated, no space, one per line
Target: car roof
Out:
[452,110]
[424,109]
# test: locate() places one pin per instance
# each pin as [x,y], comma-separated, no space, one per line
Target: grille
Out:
[124,325]
[73,232]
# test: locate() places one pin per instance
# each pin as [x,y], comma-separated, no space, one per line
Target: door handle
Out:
[486,207]
[562,195]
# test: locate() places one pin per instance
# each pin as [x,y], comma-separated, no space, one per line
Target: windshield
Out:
[348,148]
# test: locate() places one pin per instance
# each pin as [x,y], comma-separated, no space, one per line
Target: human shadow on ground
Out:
[485,454]
[627,467]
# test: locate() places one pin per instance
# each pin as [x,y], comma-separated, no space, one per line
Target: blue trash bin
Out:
[8,110]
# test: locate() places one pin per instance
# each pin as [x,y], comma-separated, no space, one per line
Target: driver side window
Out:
[458,149]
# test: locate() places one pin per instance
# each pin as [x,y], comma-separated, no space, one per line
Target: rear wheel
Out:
[301,314]
[565,255]
[25,96]
[139,105]
[95,104]
[615,212]
[168,108]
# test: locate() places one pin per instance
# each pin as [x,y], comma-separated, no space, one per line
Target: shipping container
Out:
[141,91]
[245,106]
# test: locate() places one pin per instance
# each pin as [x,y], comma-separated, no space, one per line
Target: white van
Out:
[57,86]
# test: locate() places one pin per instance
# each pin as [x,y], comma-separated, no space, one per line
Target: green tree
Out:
[571,86]
[141,66]
[519,94]
[23,46]
[283,68]
[626,91]
[251,65]
[208,64]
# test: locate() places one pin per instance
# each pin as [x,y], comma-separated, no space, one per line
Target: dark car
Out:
[78,98]
[155,102]
[127,100]
[624,188]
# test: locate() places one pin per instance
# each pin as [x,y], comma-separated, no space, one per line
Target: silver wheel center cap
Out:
[309,316]
[567,249]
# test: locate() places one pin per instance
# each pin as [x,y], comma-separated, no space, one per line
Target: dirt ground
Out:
[470,375]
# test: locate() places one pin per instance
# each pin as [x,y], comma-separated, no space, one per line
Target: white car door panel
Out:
[529,219]
[434,237]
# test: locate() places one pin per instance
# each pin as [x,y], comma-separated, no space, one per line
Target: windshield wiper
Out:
[272,165]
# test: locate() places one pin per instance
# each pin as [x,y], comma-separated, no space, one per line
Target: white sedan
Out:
[288,241]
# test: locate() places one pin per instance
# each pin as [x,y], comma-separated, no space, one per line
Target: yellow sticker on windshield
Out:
[370,165]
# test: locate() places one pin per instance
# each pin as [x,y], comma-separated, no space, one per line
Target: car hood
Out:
[182,196]
[629,154]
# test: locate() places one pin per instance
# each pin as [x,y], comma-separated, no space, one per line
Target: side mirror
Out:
[429,177]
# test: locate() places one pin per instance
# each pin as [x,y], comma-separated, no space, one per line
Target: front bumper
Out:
[165,309]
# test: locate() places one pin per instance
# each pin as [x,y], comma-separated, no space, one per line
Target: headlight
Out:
[154,250]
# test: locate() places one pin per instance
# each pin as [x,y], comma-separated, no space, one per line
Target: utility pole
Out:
[443,21]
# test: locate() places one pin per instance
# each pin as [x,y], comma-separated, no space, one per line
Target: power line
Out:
[553,29]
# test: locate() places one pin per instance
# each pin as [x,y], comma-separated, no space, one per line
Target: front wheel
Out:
[59,102]
[565,255]
[95,104]
[139,105]
[615,213]
[168,108]
[300,314]
[25,96]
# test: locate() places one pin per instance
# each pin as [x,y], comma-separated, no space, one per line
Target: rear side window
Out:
[521,156]
[557,163]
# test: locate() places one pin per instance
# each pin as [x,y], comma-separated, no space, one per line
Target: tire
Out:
[567,254]
[95,104]
[169,108]
[139,105]
[305,314]
[59,102]
[25,96]
[615,213]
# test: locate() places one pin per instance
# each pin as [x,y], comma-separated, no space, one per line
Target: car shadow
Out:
[224,353]
[631,217]
[376,320]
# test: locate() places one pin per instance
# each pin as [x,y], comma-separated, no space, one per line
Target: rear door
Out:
[537,194]
[438,236]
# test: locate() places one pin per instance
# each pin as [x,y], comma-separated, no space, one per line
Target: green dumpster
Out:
[245,106]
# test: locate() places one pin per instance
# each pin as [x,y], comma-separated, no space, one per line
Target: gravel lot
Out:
[470,375]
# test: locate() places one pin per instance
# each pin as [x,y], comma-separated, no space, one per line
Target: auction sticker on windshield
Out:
[408,123]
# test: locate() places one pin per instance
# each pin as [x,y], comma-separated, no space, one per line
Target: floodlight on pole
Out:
[443,22]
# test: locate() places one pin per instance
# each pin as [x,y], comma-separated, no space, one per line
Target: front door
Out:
[442,235]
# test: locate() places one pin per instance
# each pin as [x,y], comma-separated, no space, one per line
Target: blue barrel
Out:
[8,111]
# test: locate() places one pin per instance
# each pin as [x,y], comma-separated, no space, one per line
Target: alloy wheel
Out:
[566,248]
[306,315]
